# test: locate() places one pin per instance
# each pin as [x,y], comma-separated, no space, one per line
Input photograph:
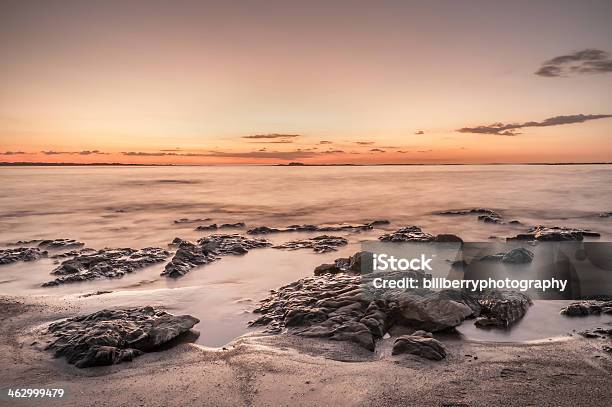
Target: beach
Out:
[265,238]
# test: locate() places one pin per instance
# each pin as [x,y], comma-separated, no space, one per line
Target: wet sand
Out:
[286,370]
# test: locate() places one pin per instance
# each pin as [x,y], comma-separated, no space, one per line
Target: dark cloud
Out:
[325,142]
[332,152]
[271,136]
[419,132]
[377,150]
[580,62]
[272,142]
[262,153]
[13,153]
[402,151]
[84,152]
[364,143]
[501,129]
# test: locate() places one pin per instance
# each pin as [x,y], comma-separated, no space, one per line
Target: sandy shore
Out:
[286,370]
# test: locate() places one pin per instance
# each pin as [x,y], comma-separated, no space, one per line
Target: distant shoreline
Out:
[41,164]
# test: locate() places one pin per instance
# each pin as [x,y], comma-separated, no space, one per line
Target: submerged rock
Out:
[206,250]
[474,211]
[554,234]
[106,263]
[188,221]
[109,337]
[261,230]
[583,308]
[8,256]
[214,226]
[319,244]
[514,256]
[420,343]
[51,244]
[501,308]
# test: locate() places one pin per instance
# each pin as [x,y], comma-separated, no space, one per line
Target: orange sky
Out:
[377,82]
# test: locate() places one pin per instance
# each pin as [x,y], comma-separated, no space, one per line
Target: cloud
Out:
[332,152]
[84,152]
[271,136]
[272,142]
[424,151]
[325,142]
[587,61]
[402,151]
[364,143]
[14,153]
[501,129]
[419,132]
[262,153]
[377,150]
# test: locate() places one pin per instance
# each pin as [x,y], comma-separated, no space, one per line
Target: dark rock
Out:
[236,225]
[501,308]
[447,238]
[583,308]
[109,337]
[340,306]
[189,221]
[514,256]
[319,244]
[187,257]
[420,343]
[106,263]
[206,250]
[50,244]
[207,227]
[407,234]
[358,263]
[8,256]
[261,230]
[554,234]
[475,211]
[489,219]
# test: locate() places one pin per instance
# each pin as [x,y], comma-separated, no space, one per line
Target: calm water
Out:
[136,206]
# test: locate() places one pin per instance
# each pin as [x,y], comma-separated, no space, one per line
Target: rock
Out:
[447,238]
[188,221]
[207,227]
[583,308]
[261,230]
[214,226]
[475,211]
[109,337]
[501,308]
[420,343]
[554,234]
[514,256]
[106,263]
[430,311]
[518,256]
[341,306]
[407,234]
[206,250]
[50,244]
[187,257]
[319,244]
[358,263]
[236,225]
[8,256]
[489,219]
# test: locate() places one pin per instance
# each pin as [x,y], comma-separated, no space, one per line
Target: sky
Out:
[321,82]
